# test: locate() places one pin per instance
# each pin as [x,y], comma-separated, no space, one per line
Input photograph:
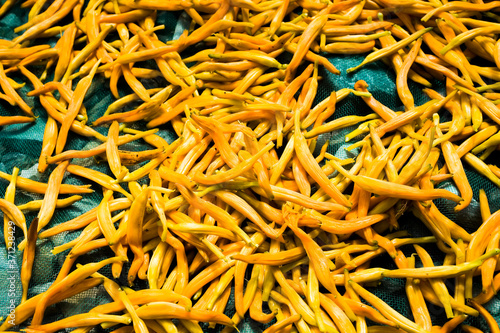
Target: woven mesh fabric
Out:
[20,146]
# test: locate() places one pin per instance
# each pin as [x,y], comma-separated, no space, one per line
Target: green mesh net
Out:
[20,146]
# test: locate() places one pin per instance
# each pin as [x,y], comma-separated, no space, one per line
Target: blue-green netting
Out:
[20,146]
